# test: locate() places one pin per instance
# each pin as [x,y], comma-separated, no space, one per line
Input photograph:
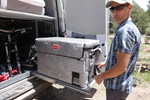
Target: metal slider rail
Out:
[85,90]
[15,79]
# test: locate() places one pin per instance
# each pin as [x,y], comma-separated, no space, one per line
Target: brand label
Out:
[55,47]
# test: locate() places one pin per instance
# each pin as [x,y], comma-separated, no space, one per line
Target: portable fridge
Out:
[68,59]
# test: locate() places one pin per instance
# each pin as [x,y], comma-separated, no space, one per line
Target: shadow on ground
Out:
[63,93]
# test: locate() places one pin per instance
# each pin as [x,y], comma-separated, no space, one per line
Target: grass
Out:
[142,76]
[144,57]
[112,34]
[144,86]
[148,30]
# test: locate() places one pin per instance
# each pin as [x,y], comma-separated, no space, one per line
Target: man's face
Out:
[121,15]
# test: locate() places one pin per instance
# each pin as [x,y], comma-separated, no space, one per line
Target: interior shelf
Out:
[23,15]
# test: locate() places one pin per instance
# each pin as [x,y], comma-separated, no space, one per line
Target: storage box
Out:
[28,6]
[66,59]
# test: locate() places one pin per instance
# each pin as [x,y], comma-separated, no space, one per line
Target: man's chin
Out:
[117,21]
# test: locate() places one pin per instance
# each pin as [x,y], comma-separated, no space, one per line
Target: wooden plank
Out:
[33,92]
[144,64]
[139,68]
[37,97]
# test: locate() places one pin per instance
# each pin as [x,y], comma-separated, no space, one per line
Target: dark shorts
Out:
[114,94]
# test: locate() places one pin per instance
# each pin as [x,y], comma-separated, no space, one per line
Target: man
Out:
[123,53]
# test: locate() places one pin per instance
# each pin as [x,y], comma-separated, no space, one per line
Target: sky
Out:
[142,3]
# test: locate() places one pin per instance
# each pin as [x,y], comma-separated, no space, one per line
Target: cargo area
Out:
[18,30]
[19,83]
[24,40]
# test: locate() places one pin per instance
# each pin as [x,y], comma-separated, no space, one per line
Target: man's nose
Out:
[114,12]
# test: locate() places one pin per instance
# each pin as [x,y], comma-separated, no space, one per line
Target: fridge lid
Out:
[69,47]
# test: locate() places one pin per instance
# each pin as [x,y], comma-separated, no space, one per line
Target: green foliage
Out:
[148,30]
[148,6]
[147,38]
[143,55]
[140,18]
[148,76]
[148,11]
[142,76]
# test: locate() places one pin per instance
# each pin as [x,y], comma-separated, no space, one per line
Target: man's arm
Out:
[119,68]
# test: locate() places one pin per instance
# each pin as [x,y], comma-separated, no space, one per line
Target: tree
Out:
[140,18]
[135,12]
[142,23]
[148,6]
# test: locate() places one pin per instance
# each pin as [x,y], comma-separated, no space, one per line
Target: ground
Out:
[57,92]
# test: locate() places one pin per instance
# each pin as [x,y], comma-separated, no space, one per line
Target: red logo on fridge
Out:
[55,47]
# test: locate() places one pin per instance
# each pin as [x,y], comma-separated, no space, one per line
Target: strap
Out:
[97,53]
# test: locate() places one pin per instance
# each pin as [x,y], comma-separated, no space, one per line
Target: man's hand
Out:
[98,79]
[101,64]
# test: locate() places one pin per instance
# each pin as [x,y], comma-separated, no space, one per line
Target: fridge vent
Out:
[75,78]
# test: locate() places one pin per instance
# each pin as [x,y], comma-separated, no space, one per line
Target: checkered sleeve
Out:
[125,41]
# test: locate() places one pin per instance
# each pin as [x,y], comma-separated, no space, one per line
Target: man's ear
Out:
[131,7]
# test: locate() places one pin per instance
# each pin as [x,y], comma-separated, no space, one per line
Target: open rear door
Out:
[88,19]
[61,15]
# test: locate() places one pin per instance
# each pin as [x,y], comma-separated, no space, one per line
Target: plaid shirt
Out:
[127,40]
